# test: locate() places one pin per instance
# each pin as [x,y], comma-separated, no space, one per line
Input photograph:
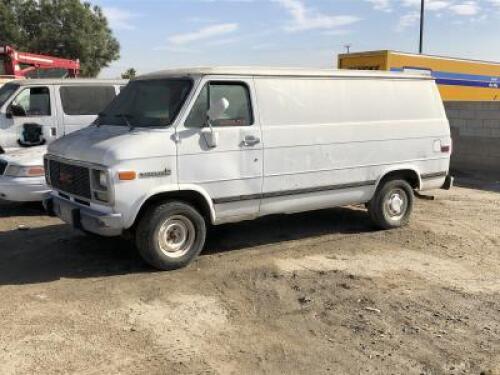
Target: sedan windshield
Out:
[6,92]
[145,103]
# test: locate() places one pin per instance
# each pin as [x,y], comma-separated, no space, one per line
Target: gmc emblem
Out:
[65,178]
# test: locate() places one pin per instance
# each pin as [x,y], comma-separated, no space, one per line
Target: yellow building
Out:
[457,79]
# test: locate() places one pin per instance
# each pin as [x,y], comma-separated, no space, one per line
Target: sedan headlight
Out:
[21,171]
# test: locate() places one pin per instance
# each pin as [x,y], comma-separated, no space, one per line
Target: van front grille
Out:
[3,167]
[71,179]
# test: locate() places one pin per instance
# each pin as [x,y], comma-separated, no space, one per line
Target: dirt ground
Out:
[315,293]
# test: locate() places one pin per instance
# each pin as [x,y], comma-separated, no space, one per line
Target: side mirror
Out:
[215,112]
[15,110]
[211,136]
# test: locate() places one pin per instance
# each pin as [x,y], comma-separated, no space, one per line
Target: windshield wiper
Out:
[126,118]
[97,121]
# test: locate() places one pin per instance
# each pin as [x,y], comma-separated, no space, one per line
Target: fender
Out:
[397,168]
[170,188]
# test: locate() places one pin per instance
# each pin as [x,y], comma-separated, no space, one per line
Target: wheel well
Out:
[408,175]
[192,197]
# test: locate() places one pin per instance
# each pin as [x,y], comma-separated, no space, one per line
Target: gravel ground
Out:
[315,293]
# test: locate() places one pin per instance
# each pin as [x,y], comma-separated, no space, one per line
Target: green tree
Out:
[65,28]
[129,73]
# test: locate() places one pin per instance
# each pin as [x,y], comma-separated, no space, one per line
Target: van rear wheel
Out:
[170,235]
[392,205]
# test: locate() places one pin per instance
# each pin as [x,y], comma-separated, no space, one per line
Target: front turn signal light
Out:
[127,176]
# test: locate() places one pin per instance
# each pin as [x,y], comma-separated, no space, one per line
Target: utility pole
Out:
[422,22]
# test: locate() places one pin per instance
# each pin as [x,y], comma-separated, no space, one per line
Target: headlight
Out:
[20,171]
[103,179]
[100,180]
[100,185]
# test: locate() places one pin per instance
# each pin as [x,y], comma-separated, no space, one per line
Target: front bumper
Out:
[23,189]
[85,218]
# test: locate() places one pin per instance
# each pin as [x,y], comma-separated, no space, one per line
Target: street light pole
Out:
[422,21]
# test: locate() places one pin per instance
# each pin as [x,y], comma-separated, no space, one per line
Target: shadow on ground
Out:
[477,181]
[8,209]
[54,252]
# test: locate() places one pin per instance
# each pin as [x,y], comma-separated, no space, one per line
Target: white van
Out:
[179,150]
[36,112]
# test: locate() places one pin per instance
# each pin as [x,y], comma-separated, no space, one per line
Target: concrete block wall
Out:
[475,128]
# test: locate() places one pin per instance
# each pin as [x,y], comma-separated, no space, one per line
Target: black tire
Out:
[162,226]
[386,215]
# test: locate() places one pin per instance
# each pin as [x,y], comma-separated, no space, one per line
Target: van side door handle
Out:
[250,140]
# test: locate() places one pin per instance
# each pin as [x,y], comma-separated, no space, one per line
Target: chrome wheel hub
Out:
[396,204]
[176,236]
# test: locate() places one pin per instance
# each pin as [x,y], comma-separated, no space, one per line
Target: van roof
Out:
[279,71]
[68,81]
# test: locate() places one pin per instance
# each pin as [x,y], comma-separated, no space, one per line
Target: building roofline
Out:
[441,57]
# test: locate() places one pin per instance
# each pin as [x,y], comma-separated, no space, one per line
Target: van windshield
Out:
[147,103]
[6,92]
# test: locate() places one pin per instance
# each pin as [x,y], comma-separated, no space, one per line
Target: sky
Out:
[159,34]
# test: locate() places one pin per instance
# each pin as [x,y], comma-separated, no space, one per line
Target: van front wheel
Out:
[170,235]
[392,205]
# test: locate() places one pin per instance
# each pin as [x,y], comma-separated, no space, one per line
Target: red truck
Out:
[29,65]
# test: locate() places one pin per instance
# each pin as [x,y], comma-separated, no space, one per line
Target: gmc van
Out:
[34,113]
[180,150]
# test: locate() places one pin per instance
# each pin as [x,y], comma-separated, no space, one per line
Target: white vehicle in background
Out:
[38,111]
[182,149]
[22,178]
[34,113]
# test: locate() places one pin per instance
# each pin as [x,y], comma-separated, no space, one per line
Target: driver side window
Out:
[238,110]
[33,101]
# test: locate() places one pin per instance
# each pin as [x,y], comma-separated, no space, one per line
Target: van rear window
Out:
[86,100]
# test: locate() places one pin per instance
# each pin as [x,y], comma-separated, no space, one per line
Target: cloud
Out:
[227,1]
[431,5]
[119,19]
[456,7]
[411,9]
[203,34]
[383,5]
[408,20]
[468,8]
[304,18]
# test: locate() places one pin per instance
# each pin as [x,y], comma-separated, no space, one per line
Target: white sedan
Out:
[22,175]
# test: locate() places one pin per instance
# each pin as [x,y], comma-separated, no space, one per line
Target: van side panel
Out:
[330,140]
